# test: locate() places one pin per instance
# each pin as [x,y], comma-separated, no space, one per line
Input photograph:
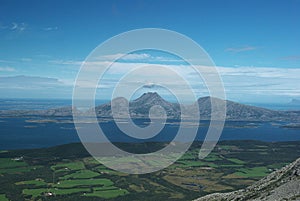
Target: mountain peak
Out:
[149,97]
[151,94]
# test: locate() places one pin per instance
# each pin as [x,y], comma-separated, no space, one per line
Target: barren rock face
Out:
[283,184]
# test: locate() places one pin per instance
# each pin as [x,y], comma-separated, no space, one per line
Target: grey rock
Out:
[283,184]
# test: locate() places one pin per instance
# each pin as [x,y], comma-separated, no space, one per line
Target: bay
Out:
[19,133]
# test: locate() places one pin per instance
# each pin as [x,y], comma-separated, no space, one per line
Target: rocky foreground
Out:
[283,184]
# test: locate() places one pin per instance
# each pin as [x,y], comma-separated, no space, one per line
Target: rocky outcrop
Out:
[283,184]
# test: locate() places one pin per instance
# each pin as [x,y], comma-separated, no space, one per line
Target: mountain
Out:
[240,112]
[139,108]
[283,184]
[235,111]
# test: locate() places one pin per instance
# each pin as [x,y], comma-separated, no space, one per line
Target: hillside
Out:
[283,184]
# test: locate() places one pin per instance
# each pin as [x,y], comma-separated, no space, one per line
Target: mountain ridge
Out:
[139,108]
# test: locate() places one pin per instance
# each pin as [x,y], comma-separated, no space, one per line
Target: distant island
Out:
[294,102]
[139,108]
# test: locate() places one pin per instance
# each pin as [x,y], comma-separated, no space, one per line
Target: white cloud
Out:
[66,62]
[263,72]
[238,81]
[241,49]
[260,80]
[125,56]
[26,59]
[14,26]
[29,82]
[7,69]
[124,59]
[50,28]
[18,26]
[137,57]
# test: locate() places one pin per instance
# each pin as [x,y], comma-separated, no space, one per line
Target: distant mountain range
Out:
[283,184]
[139,108]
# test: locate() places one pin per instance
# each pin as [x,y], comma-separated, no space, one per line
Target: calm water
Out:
[17,133]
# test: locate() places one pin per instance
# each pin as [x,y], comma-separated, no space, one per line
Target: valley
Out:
[68,172]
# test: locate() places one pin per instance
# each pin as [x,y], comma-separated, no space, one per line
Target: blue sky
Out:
[42,43]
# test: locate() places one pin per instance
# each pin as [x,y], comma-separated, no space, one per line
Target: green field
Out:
[35,183]
[83,182]
[78,165]
[17,170]
[68,176]
[43,191]
[236,161]
[35,192]
[3,197]
[253,172]
[107,193]
[11,163]
[81,174]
